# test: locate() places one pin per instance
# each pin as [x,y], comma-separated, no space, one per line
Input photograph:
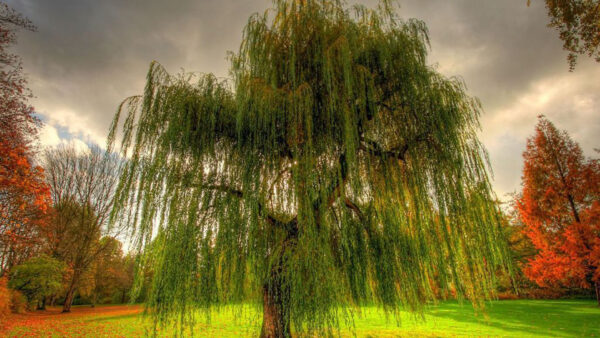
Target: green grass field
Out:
[514,318]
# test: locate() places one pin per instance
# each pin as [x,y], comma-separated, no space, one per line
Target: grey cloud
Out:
[89,55]
[506,44]
[508,57]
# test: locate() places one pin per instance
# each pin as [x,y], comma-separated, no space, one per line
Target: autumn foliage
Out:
[4,299]
[24,196]
[24,199]
[560,209]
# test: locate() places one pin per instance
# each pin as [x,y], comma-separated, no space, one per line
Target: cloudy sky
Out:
[88,55]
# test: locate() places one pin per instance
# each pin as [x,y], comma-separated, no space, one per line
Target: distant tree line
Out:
[55,245]
[78,258]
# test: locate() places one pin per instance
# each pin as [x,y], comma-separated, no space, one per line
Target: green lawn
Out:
[557,318]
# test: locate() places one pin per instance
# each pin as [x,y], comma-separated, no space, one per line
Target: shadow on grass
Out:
[533,317]
[111,318]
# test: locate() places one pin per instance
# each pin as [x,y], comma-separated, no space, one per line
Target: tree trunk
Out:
[69,299]
[276,298]
[276,317]
[598,292]
[276,291]
[42,304]
[71,293]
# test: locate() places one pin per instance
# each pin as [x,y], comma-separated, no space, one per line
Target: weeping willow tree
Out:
[334,169]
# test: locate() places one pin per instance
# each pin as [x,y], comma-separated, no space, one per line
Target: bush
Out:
[37,278]
[507,295]
[18,302]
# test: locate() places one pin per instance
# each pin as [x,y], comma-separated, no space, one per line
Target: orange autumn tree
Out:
[23,194]
[24,198]
[560,209]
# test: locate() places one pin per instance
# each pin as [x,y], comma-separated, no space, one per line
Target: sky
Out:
[88,55]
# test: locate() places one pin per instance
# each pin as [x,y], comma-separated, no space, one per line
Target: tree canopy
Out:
[82,186]
[37,278]
[24,196]
[560,209]
[334,168]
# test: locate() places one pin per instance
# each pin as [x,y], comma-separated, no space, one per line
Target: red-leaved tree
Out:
[560,209]
[24,196]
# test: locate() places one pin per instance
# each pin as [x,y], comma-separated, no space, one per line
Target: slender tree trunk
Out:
[598,292]
[69,299]
[70,293]
[42,304]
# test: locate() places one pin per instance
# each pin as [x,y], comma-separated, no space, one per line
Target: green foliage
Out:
[513,284]
[113,274]
[37,278]
[521,318]
[578,24]
[18,302]
[336,169]
[82,186]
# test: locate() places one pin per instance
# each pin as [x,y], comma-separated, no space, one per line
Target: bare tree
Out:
[17,122]
[82,185]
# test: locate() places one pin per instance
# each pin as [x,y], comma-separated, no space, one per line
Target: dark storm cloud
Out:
[89,55]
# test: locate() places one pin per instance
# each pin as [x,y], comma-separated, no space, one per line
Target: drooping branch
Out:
[226,189]
[355,209]
[335,97]
[360,215]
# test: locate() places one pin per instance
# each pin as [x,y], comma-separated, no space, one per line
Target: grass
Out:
[534,318]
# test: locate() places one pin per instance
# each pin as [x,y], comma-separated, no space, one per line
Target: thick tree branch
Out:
[361,216]
[399,152]
[352,206]
[226,189]
[262,210]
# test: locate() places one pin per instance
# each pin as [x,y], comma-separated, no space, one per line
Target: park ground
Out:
[511,318]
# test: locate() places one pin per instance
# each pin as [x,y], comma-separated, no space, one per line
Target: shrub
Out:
[18,302]
[37,278]
[507,295]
